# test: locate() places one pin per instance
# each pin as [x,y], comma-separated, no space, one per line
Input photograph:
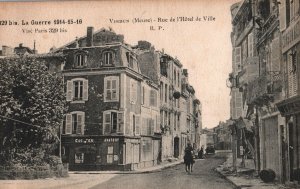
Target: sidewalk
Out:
[159,167]
[79,179]
[245,177]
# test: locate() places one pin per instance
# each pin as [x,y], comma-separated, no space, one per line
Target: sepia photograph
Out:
[169,94]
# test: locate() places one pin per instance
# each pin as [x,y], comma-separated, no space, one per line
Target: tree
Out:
[31,110]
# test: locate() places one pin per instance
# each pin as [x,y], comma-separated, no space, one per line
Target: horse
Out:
[188,159]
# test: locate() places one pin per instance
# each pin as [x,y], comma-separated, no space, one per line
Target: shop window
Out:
[111,88]
[110,154]
[108,58]
[112,121]
[79,158]
[77,89]
[75,123]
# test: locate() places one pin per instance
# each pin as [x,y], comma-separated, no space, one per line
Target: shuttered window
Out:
[153,98]
[133,91]
[77,89]
[113,122]
[111,89]
[75,123]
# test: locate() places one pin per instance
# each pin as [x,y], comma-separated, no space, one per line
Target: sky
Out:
[203,47]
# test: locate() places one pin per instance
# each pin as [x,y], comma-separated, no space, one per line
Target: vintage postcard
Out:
[149,94]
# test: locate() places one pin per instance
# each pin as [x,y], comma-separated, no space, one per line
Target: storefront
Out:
[109,152]
[290,108]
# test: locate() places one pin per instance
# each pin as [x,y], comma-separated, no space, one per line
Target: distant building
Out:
[207,138]
[222,137]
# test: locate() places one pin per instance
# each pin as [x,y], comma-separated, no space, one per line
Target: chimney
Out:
[89,36]
[21,45]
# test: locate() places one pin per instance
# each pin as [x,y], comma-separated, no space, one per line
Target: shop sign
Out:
[84,140]
[111,140]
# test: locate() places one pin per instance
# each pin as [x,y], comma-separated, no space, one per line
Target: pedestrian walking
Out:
[188,158]
[200,153]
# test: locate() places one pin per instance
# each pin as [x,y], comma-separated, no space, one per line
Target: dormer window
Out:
[80,60]
[108,58]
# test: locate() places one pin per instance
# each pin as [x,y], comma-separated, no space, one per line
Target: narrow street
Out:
[202,177]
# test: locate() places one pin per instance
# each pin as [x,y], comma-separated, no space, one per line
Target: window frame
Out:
[69,123]
[108,60]
[111,90]
[70,94]
[119,121]
[80,59]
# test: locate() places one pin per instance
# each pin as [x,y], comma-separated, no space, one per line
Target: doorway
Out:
[176,147]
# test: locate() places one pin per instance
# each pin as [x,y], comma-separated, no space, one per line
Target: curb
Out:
[227,179]
[130,172]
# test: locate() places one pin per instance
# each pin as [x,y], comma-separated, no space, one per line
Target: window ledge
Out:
[78,102]
[111,101]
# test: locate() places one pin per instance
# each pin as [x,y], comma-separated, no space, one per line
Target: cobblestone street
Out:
[202,177]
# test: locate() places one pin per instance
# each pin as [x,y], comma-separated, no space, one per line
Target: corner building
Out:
[103,127]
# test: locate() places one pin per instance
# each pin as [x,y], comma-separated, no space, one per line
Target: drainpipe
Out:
[256,139]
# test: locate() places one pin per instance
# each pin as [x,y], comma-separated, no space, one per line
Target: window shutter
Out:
[80,123]
[297,7]
[239,103]
[85,89]
[151,97]
[237,59]
[137,125]
[68,124]
[107,122]
[69,90]
[85,60]
[133,91]
[114,88]
[131,123]
[282,15]
[275,50]
[144,126]
[120,122]
[107,89]
[143,95]
[250,45]
[151,126]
